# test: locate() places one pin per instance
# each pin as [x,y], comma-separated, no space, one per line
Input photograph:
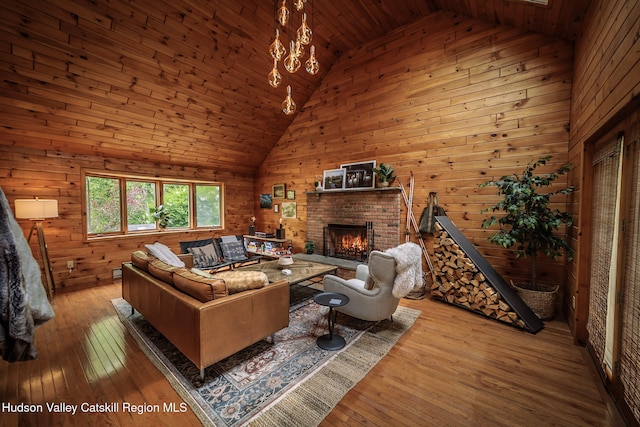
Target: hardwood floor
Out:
[451,368]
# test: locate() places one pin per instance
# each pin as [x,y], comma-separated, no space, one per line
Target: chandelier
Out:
[298,40]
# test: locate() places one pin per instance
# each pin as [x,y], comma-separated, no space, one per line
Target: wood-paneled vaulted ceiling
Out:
[184,81]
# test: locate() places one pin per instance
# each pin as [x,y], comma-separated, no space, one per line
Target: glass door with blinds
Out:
[614,281]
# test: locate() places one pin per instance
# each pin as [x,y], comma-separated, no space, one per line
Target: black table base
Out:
[331,341]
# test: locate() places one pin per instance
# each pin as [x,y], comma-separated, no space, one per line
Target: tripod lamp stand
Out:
[38,210]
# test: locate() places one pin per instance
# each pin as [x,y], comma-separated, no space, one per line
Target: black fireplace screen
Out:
[353,242]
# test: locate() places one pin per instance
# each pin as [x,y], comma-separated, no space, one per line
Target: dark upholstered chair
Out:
[205,257]
[233,250]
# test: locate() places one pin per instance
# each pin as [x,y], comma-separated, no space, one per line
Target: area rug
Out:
[289,382]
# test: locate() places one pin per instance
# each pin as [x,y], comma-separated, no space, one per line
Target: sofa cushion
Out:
[141,260]
[164,253]
[204,256]
[202,288]
[233,251]
[239,281]
[161,270]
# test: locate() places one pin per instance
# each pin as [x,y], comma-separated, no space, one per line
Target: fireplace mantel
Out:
[354,190]
[380,206]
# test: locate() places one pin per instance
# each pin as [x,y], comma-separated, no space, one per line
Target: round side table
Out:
[331,341]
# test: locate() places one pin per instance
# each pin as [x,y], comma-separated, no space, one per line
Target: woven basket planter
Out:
[540,298]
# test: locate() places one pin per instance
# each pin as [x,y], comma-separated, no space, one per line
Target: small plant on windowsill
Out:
[161,215]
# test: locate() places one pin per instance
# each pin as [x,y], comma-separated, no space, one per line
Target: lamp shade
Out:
[36,208]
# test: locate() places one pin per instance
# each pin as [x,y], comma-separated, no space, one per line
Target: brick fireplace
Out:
[380,207]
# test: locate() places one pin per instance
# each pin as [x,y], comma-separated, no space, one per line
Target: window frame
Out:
[159,182]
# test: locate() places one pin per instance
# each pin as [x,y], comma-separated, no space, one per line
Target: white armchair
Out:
[373,304]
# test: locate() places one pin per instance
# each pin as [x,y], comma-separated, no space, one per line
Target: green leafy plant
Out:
[310,246]
[161,215]
[528,221]
[385,173]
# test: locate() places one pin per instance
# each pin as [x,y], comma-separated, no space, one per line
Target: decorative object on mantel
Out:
[359,175]
[529,222]
[298,40]
[385,174]
[333,179]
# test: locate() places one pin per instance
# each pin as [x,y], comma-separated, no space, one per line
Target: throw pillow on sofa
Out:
[141,260]
[164,253]
[239,281]
[204,256]
[161,270]
[234,251]
[199,287]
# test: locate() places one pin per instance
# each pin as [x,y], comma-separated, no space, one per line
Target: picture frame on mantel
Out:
[333,179]
[359,175]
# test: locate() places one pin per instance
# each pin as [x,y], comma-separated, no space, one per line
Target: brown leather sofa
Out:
[205,332]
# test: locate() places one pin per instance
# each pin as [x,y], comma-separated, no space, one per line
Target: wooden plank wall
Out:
[25,173]
[452,99]
[606,87]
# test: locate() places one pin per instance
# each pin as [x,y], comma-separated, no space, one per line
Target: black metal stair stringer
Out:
[510,296]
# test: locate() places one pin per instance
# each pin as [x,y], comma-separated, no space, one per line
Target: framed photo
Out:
[275,208]
[291,194]
[278,191]
[359,175]
[333,179]
[265,201]
[289,209]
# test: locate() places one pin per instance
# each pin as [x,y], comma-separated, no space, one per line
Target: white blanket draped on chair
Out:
[408,258]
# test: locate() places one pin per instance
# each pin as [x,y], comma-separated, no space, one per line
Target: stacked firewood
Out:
[459,282]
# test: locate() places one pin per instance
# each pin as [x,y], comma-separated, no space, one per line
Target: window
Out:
[141,197]
[103,205]
[123,204]
[207,196]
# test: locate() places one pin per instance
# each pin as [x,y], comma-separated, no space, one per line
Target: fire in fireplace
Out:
[353,242]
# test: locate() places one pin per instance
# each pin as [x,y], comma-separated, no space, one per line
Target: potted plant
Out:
[528,221]
[309,246]
[385,174]
[161,215]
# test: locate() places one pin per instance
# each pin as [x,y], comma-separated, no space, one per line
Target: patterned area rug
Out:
[290,382]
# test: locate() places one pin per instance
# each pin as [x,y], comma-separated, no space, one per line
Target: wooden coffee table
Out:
[300,270]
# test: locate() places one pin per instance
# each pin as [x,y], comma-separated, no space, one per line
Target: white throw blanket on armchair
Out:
[408,258]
